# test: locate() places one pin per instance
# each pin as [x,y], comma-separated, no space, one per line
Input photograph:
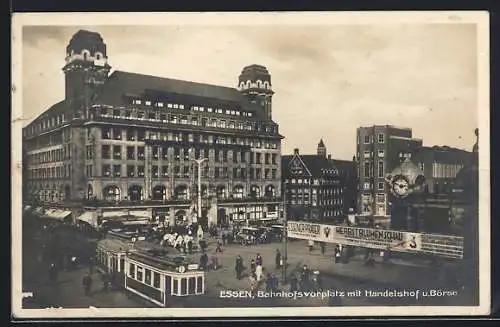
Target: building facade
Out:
[317,188]
[441,165]
[379,149]
[125,137]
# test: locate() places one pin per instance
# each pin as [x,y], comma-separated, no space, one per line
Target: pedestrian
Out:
[337,253]
[224,238]
[258,260]
[238,267]
[311,245]
[203,261]
[294,284]
[190,246]
[87,284]
[277,259]
[268,282]
[258,272]
[252,266]
[219,247]
[274,283]
[322,245]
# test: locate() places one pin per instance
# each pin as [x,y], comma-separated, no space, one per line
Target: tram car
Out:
[158,277]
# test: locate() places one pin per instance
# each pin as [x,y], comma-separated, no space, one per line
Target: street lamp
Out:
[285,237]
[199,162]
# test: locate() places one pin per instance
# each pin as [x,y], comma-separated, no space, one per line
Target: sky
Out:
[328,79]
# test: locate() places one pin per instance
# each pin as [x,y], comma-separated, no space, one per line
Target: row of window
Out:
[156,116]
[298,199]
[50,156]
[138,153]
[367,198]
[46,124]
[444,170]
[367,139]
[50,172]
[316,181]
[335,191]
[48,140]
[160,104]
[141,135]
[184,171]
[369,154]
[368,167]
[369,186]
[144,275]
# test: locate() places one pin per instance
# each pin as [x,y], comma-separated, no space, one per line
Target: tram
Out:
[158,277]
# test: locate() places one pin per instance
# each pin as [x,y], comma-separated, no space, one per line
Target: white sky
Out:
[328,79]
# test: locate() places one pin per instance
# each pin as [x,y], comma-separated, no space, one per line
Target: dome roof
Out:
[254,73]
[86,40]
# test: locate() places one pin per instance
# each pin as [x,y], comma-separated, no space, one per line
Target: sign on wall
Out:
[373,238]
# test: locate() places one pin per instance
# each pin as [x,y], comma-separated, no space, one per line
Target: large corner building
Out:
[130,138]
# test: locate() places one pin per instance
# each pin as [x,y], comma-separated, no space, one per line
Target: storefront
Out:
[157,278]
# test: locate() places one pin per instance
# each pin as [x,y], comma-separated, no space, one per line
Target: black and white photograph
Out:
[250,164]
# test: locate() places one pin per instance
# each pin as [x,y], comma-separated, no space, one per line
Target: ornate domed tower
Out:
[321,150]
[86,69]
[255,83]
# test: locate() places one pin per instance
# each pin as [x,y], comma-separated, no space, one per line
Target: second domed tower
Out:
[255,83]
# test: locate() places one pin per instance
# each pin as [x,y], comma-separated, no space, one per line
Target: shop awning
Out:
[89,218]
[140,213]
[56,214]
[118,213]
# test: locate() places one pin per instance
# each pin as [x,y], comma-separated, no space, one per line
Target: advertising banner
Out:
[374,238]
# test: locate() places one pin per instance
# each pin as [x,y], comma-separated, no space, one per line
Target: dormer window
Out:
[181,106]
[136,101]
[160,104]
[148,103]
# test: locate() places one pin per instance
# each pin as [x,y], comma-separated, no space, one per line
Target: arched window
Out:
[254,192]
[135,193]
[238,192]
[270,191]
[221,192]
[159,192]
[181,192]
[111,193]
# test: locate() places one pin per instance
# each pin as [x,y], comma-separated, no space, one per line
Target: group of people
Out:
[306,280]
[184,241]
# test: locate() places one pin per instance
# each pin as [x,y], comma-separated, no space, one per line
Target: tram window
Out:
[192,285]
[176,286]
[199,285]
[183,286]
[147,276]
[140,273]
[131,270]
[122,264]
[168,285]
[156,280]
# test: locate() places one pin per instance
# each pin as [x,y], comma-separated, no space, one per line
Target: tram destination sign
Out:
[375,238]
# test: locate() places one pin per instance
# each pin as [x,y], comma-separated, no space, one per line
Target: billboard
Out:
[374,238]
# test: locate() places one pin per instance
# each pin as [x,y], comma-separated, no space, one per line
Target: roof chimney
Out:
[296,151]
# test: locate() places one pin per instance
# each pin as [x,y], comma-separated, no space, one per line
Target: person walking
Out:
[219,247]
[238,267]
[258,272]
[277,259]
[203,261]
[337,253]
[252,266]
[224,238]
[258,260]
[294,284]
[311,245]
[322,245]
[87,284]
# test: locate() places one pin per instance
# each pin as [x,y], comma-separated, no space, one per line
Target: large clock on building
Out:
[400,186]
[296,167]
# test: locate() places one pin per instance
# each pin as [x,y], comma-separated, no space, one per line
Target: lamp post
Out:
[285,238]
[199,162]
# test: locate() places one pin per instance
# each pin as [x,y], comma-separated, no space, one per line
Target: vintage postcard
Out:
[250,164]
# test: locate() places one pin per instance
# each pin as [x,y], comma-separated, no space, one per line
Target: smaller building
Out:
[317,187]
[441,165]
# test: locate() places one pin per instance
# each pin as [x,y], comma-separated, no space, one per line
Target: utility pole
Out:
[285,239]
[199,162]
